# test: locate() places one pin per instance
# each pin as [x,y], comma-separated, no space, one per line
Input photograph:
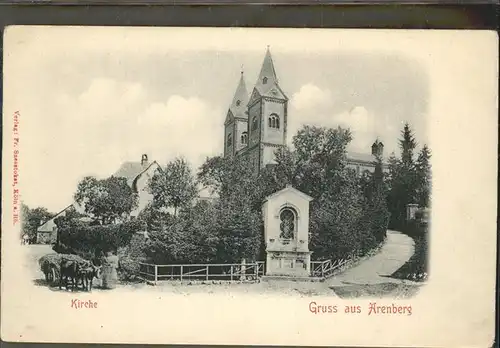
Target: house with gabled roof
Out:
[46,233]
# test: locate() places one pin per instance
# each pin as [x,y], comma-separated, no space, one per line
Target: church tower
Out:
[236,123]
[267,117]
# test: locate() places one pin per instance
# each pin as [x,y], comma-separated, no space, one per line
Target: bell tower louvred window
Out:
[244,138]
[274,121]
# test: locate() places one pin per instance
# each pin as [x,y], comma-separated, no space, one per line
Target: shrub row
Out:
[90,242]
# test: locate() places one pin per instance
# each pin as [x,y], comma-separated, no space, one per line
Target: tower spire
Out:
[240,98]
[267,74]
[267,83]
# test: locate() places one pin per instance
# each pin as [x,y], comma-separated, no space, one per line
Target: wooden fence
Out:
[326,268]
[228,272]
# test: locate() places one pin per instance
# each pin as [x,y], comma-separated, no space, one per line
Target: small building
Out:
[47,232]
[411,210]
[286,233]
[362,162]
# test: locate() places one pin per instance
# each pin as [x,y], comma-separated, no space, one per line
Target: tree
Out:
[423,168]
[376,202]
[238,209]
[211,173]
[175,186]
[407,145]
[106,200]
[318,167]
[32,219]
[155,217]
[409,181]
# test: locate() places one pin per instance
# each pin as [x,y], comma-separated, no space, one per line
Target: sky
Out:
[91,99]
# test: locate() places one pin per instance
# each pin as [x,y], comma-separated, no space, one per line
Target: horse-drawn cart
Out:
[50,265]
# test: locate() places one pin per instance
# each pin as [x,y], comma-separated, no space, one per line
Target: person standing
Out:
[109,273]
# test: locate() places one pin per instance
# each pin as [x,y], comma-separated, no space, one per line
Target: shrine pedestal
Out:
[288,263]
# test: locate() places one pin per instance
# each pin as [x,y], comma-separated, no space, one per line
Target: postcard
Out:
[249,186]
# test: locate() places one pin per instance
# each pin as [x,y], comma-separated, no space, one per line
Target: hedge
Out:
[91,242]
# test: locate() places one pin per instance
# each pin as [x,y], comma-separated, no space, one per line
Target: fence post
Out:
[243,269]
[182,270]
[231,272]
[156,273]
[256,272]
[207,272]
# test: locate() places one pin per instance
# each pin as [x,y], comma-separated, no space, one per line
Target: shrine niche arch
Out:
[288,218]
[287,205]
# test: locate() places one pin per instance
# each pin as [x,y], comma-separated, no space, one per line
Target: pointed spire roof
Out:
[267,83]
[240,99]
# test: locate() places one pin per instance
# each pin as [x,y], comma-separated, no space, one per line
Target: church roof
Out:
[360,157]
[129,171]
[240,99]
[267,83]
[134,181]
[366,158]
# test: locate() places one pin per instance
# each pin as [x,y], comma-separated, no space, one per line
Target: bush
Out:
[91,242]
[130,256]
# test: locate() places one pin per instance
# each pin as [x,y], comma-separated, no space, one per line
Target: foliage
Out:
[409,180]
[154,217]
[349,214]
[403,179]
[239,228]
[342,221]
[423,168]
[108,200]
[212,173]
[31,219]
[237,212]
[190,238]
[174,186]
[376,210]
[129,257]
[90,242]
[407,145]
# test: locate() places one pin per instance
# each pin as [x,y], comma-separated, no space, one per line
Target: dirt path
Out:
[397,249]
[372,276]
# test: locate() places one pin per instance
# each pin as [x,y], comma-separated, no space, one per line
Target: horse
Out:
[87,273]
[69,270]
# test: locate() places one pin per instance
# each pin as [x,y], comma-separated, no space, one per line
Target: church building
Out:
[256,126]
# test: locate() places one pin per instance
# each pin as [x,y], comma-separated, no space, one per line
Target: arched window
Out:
[254,123]
[244,138]
[229,140]
[264,80]
[274,121]
[288,224]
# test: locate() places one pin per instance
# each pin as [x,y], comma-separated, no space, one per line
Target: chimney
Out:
[144,161]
